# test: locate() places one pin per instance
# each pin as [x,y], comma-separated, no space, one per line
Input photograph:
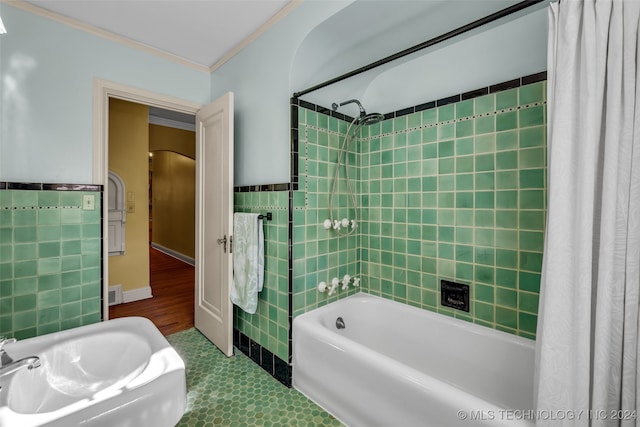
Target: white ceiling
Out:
[199,31]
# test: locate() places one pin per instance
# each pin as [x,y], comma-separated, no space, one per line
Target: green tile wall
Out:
[269,326]
[50,262]
[458,193]
[319,254]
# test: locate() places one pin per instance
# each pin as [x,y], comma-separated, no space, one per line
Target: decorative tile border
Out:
[49,187]
[511,84]
[265,187]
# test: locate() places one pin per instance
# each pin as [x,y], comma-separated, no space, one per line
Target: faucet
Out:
[9,366]
[4,357]
[28,362]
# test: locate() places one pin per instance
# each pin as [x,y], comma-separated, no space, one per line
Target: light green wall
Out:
[262,97]
[47,71]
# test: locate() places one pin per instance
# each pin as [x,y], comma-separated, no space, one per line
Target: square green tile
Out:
[464,128]
[531,93]
[507,160]
[485,104]
[506,121]
[506,179]
[507,140]
[527,322]
[506,297]
[507,278]
[532,137]
[507,317]
[532,116]
[485,162]
[507,219]
[532,199]
[485,199]
[485,124]
[464,164]
[506,99]
[484,293]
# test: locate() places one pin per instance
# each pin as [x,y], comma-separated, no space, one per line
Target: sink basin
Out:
[121,372]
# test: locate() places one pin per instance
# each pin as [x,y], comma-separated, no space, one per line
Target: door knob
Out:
[223,242]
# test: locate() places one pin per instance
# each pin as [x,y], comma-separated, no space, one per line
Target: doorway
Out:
[214,199]
[103,92]
[154,150]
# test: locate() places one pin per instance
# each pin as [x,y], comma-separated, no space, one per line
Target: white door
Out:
[214,222]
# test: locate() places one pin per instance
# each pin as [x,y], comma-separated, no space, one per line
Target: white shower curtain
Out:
[587,341]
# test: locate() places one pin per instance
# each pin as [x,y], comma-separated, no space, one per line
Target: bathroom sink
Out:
[121,372]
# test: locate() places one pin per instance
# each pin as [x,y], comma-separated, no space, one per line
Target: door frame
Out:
[102,91]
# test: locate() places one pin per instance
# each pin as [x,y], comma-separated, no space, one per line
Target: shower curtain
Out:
[587,341]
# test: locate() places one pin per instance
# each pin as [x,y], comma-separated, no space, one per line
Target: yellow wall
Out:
[129,158]
[172,139]
[173,204]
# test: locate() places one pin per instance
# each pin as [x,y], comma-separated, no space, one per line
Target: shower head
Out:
[370,119]
[364,119]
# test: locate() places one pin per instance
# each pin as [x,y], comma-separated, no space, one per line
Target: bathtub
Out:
[397,365]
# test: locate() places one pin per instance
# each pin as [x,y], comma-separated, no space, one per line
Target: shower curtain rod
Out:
[446,36]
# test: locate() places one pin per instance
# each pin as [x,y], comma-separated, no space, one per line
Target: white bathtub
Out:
[397,365]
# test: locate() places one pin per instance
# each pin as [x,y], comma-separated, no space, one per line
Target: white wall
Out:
[46,82]
[313,44]
[260,77]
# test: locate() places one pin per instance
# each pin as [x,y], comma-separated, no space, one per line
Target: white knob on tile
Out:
[345,223]
[327,224]
[356,281]
[334,284]
[336,225]
[345,282]
[322,286]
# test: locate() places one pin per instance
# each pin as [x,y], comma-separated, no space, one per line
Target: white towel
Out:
[248,261]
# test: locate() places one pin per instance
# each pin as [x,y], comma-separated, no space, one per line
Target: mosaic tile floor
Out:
[236,392]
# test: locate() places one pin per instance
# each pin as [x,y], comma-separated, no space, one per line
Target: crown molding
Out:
[74,23]
[286,9]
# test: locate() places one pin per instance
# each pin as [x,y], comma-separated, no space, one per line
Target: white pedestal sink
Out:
[121,372]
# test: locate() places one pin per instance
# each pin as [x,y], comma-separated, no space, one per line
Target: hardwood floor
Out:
[172,286]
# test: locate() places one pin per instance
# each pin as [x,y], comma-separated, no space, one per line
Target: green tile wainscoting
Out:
[50,261]
[319,254]
[455,192]
[269,326]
